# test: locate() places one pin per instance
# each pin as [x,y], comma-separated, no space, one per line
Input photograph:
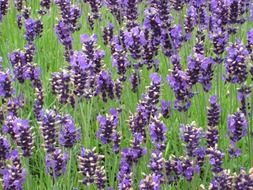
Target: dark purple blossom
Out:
[91,169]
[165,108]
[108,33]
[14,175]
[5,148]
[5,84]
[236,63]
[69,134]
[48,124]
[61,85]
[34,29]
[120,61]
[105,86]
[243,93]
[215,159]
[150,182]
[156,164]
[224,180]
[4,5]
[24,136]
[191,135]
[134,40]
[180,83]
[213,116]
[56,163]
[158,133]
[237,129]
[108,124]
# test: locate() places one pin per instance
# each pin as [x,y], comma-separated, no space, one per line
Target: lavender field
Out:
[126,94]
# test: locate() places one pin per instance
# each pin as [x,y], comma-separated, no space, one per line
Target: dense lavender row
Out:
[133,43]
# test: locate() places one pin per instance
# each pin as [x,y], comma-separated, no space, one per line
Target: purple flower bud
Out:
[105,85]
[180,83]
[48,128]
[108,34]
[34,29]
[5,148]
[237,129]
[191,135]
[5,84]
[69,135]
[158,133]
[156,164]
[14,175]
[222,181]
[244,180]
[215,159]
[150,182]
[24,136]
[243,94]
[213,116]
[19,5]
[4,4]
[165,108]
[56,163]
[108,124]
[135,81]
[91,169]
[61,86]
[120,61]
[236,68]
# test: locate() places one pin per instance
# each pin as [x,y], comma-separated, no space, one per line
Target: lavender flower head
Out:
[69,134]
[237,129]
[236,63]
[191,135]
[213,117]
[150,182]
[108,124]
[56,163]
[158,133]
[91,169]
[165,108]
[14,175]
[5,148]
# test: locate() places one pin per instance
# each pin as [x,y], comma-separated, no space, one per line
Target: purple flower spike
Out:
[4,4]
[120,61]
[90,167]
[61,86]
[222,181]
[237,129]
[150,182]
[69,134]
[56,163]
[158,133]
[5,84]
[105,85]
[34,29]
[213,116]
[215,159]
[14,175]
[5,148]
[236,68]
[108,34]
[191,135]
[108,124]
[24,136]
[48,127]
[179,81]
[165,108]
[156,164]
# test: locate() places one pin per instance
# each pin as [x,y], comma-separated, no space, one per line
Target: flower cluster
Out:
[90,167]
